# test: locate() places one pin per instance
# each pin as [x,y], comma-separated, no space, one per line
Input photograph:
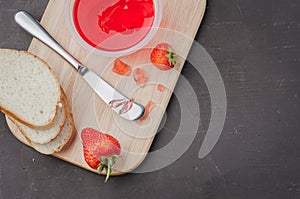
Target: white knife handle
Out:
[28,23]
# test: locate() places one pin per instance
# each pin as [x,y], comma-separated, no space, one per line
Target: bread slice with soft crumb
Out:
[63,137]
[29,90]
[45,134]
[60,141]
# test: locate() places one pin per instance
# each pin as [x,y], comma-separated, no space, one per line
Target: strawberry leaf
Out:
[172,57]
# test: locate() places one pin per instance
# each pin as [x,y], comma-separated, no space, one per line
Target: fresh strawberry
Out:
[163,56]
[121,68]
[100,150]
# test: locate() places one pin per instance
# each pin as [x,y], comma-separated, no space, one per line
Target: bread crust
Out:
[66,140]
[23,120]
[70,133]
[65,113]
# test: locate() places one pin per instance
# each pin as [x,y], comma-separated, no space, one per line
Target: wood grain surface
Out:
[180,23]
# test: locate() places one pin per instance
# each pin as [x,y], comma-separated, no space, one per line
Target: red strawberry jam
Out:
[113,25]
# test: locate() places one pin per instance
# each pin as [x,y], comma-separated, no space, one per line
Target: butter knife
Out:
[104,90]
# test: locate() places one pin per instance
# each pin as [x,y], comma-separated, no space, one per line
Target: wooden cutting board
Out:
[180,23]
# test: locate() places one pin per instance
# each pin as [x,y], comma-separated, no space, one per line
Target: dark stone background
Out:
[255,45]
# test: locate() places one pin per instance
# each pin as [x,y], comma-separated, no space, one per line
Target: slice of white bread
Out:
[29,90]
[60,141]
[46,134]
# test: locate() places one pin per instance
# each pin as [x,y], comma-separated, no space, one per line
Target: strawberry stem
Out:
[172,57]
[106,163]
[108,172]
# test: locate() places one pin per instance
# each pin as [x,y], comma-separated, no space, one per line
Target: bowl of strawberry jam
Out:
[113,27]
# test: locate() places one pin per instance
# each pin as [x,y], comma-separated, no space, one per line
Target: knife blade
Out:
[103,89]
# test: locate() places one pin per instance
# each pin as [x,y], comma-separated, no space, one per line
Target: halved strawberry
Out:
[163,56]
[100,150]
